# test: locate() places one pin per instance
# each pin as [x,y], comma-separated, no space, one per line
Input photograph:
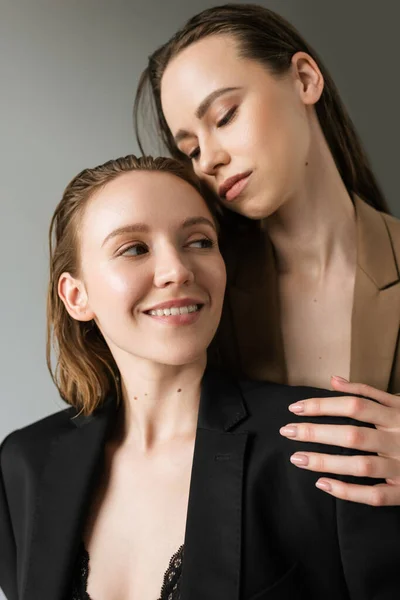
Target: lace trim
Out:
[79,588]
[170,589]
[171,585]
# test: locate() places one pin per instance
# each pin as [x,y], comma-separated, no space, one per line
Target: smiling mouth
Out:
[174,311]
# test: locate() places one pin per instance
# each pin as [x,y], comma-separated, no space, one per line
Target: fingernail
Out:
[289,431]
[300,460]
[296,408]
[323,485]
[341,379]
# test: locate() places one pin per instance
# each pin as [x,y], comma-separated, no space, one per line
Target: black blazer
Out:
[257,528]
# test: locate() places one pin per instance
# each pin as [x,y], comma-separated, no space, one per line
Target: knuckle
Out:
[343,492]
[356,405]
[355,437]
[377,496]
[316,406]
[364,389]
[319,463]
[365,466]
[307,433]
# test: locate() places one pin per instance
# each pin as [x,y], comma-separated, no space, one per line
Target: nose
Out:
[172,269]
[212,157]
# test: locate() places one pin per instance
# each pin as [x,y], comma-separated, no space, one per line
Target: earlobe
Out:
[73,294]
[309,76]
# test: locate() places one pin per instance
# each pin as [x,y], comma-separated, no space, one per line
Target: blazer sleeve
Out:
[369,540]
[8,582]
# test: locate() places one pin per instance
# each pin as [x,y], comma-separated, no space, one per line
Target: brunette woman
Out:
[314,290]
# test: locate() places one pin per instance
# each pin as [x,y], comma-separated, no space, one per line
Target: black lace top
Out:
[170,589]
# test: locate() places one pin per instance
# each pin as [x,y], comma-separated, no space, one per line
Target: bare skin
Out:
[310,358]
[254,122]
[314,240]
[138,516]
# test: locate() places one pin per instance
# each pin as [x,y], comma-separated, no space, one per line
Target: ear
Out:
[308,76]
[73,293]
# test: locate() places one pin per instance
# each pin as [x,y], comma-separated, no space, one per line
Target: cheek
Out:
[211,276]
[121,286]
[219,279]
[284,141]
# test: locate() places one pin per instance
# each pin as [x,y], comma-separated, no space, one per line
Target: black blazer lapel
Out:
[212,561]
[68,478]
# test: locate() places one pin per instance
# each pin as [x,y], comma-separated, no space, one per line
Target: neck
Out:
[160,402]
[315,228]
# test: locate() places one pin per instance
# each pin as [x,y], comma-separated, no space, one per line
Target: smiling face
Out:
[247,131]
[151,275]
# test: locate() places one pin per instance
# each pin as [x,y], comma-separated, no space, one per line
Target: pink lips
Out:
[232,187]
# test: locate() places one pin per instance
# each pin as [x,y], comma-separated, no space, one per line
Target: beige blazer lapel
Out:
[376,308]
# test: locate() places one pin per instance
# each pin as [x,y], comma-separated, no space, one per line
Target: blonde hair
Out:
[85,371]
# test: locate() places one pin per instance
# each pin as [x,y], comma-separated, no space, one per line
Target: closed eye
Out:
[194,155]
[228,116]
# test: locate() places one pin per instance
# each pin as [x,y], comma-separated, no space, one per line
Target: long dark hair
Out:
[266,37]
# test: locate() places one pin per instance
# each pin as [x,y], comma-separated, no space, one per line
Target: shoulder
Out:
[267,403]
[34,440]
[267,396]
[393,226]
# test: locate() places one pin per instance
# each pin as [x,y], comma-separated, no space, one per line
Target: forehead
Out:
[201,68]
[155,198]
[207,59]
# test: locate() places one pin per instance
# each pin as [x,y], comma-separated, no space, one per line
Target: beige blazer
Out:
[250,339]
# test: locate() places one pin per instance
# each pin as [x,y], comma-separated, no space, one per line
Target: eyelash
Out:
[207,241]
[124,251]
[227,118]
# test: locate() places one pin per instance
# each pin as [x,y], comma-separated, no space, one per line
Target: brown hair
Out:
[85,371]
[268,38]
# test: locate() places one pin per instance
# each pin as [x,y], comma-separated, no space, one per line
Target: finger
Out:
[345,436]
[359,466]
[381,494]
[362,389]
[353,407]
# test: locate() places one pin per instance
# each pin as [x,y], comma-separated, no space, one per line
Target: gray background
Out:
[68,71]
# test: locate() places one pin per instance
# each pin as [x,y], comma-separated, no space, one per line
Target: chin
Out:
[182,357]
[259,208]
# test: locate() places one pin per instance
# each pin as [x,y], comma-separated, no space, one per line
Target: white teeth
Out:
[174,310]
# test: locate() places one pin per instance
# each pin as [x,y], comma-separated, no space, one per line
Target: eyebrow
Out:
[197,221]
[143,228]
[203,108]
[135,228]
